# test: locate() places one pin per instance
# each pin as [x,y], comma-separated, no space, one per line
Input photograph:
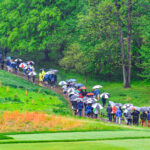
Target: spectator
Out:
[88,110]
[148,118]
[109,111]
[80,107]
[125,116]
[129,119]
[118,115]
[135,115]
[113,114]
[103,101]
[143,117]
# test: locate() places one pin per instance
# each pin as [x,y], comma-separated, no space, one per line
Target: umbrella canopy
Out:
[111,103]
[144,109]
[83,88]
[18,60]
[89,101]
[93,100]
[70,90]
[71,94]
[50,72]
[97,106]
[30,62]
[125,106]
[137,108]
[54,70]
[64,86]
[71,80]
[79,100]
[78,85]
[118,104]
[90,94]
[61,83]
[97,87]
[105,95]
[74,97]
[22,65]
[33,73]
[8,57]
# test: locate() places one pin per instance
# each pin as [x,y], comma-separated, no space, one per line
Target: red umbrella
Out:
[90,94]
[83,88]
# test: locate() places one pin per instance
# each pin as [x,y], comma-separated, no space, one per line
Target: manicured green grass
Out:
[138,94]
[13,96]
[4,137]
[134,144]
[83,136]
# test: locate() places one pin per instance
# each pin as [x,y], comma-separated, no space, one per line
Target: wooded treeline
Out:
[107,38]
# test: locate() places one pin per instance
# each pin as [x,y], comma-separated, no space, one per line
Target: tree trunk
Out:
[85,75]
[122,44]
[129,45]
[46,56]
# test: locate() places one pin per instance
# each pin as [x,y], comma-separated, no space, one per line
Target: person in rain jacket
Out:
[104,101]
[80,107]
[74,107]
[129,117]
[109,111]
[135,115]
[96,93]
[88,110]
[8,63]
[113,113]
[118,115]
[143,117]
[148,118]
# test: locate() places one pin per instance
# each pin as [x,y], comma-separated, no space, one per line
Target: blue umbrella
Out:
[72,80]
[78,85]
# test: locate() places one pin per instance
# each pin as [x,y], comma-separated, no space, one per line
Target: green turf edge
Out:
[69,131]
[4,137]
[76,140]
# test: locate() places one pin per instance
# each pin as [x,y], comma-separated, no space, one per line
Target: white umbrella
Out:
[30,62]
[125,106]
[18,59]
[64,86]
[61,83]
[70,90]
[105,95]
[97,87]
[111,103]
[79,100]
[33,73]
[97,105]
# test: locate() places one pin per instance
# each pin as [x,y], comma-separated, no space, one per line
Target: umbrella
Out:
[33,73]
[42,69]
[90,94]
[70,90]
[74,97]
[79,100]
[93,100]
[89,101]
[76,91]
[64,86]
[8,57]
[18,60]
[137,108]
[70,94]
[50,72]
[105,95]
[111,103]
[30,62]
[125,106]
[118,104]
[97,87]
[78,85]
[83,88]
[72,80]
[97,105]
[61,83]
[143,109]
[22,65]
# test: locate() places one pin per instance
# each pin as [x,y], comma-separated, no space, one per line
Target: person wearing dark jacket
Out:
[143,117]
[74,107]
[129,117]
[88,110]
[109,111]
[80,107]
[148,118]
[135,115]
[104,101]
[2,64]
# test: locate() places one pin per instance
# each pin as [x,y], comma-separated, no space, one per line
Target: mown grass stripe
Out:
[75,140]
